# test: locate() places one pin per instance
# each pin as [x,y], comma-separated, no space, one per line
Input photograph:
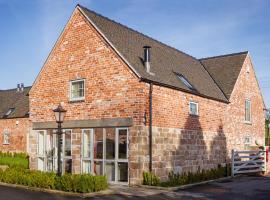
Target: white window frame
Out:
[6,132]
[247,144]
[70,90]
[250,115]
[89,159]
[44,155]
[64,157]
[116,160]
[197,106]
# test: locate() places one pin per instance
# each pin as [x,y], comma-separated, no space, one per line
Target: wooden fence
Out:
[248,162]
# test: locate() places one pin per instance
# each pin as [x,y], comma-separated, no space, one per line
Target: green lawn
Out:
[18,160]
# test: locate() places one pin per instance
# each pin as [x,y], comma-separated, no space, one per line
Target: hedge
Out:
[18,160]
[69,182]
[177,179]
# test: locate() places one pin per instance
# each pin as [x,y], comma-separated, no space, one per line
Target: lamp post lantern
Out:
[59,113]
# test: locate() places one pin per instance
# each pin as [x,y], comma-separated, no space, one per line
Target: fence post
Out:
[232,167]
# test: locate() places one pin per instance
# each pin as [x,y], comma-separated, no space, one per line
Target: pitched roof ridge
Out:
[131,29]
[8,90]
[225,55]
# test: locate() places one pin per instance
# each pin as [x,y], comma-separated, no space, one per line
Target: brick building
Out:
[14,119]
[135,104]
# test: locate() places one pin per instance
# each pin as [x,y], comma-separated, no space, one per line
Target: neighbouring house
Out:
[14,119]
[135,104]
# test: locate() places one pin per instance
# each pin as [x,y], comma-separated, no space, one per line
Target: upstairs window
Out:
[247,110]
[193,108]
[77,90]
[185,81]
[6,137]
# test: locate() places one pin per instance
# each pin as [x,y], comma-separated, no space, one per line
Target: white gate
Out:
[248,161]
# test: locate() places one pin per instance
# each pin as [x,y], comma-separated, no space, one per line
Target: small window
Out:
[6,136]
[185,81]
[247,142]
[193,108]
[9,112]
[247,111]
[77,90]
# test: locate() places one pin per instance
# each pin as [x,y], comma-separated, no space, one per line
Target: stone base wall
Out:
[176,150]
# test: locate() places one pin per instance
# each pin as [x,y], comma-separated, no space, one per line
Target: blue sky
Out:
[30,28]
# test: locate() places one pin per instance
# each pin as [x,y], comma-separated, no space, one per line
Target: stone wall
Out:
[175,149]
[18,130]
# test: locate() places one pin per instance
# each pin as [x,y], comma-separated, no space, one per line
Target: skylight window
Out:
[185,81]
[9,112]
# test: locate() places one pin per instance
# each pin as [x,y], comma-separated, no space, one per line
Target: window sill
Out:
[6,143]
[77,101]
[193,115]
[247,122]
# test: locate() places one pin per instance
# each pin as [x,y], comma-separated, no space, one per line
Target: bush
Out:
[150,179]
[176,179]
[68,182]
[18,160]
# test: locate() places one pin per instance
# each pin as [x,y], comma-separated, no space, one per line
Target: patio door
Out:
[105,152]
[48,148]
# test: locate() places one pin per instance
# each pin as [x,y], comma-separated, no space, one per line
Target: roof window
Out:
[9,112]
[185,81]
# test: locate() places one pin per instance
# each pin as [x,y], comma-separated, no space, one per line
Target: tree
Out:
[267,127]
[267,114]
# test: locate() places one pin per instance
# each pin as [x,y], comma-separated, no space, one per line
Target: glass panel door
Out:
[105,152]
[86,150]
[110,154]
[41,150]
[67,168]
[98,151]
[50,152]
[122,155]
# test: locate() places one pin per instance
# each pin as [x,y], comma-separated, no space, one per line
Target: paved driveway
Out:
[239,188]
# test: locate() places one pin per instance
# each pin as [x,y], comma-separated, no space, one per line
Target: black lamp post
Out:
[59,113]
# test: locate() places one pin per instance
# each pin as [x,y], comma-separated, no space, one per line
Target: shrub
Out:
[68,182]
[176,179]
[150,179]
[18,160]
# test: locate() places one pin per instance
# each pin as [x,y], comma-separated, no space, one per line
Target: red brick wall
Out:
[112,89]
[171,109]
[18,134]
[246,88]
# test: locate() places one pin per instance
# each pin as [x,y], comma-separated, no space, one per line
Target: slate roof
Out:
[225,70]
[165,60]
[17,100]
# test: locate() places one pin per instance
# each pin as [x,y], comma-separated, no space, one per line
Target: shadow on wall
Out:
[197,149]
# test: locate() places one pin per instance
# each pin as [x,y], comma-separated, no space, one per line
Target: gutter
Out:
[150,125]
